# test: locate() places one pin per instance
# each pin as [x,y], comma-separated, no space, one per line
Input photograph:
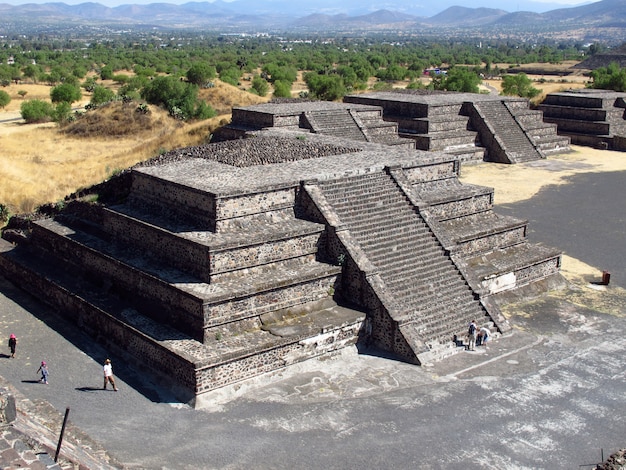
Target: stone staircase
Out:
[505,140]
[338,123]
[433,121]
[434,300]
[339,120]
[492,250]
[543,134]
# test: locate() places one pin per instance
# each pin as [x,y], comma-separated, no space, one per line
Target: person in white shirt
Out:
[108,375]
[485,335]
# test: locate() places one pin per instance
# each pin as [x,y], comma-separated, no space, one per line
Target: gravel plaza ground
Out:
[551,394]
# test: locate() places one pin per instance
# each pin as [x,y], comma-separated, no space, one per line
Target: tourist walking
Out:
[43,368]
[12,344]
[108,375]
[472,331]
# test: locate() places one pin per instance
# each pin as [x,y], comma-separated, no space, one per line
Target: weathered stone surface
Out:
[214,264]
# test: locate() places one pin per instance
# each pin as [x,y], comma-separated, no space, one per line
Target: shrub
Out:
[36,111]
[4,98]
[201,73]
[325,87]
[62,111]
[4,214]
[260,86]
[106,73]
[101,95]
[65,92]
[282,89]
[179,98]
[519,85]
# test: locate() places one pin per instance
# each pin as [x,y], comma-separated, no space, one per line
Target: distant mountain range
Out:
[594,21]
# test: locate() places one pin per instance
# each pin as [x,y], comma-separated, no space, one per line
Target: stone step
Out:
[458,201]
[440,141]
[579,113]
[484,231]
[422,272]
[513,267]
[187,366]
[204,254]
[516,145]
[369,230]
[431,124]
[553,143]
[567,125]
[182,298]
[405,268]
[541,130]
[415,251]
[467,154]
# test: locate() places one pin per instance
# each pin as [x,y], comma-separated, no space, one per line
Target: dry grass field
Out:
[42,163]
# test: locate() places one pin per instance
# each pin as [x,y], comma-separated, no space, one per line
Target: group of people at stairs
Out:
[476,336]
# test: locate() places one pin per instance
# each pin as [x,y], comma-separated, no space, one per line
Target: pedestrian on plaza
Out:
[472,332]
[12,344]
[43,368]
[485,335]
[108,375]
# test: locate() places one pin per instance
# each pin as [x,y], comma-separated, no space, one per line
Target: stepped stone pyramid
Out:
[213,264]
[471,126]
[595,118]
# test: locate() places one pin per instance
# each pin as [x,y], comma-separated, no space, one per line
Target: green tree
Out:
[179,98]
[4,98]
[325,87]
[36,111]
[519,85]
[201,73]
[32,71]
[609,78]
[101,95]
[106,73]
[230,75]
[61,112]
[457,79]
[282,89]
[260,86]
[65,92]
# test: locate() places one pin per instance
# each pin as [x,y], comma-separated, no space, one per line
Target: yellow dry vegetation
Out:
[42,163]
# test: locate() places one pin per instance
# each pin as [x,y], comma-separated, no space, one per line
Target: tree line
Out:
[170,70]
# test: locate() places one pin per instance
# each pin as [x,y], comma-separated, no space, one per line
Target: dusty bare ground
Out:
[515,183]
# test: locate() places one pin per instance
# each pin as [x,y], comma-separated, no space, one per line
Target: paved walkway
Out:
[547,396]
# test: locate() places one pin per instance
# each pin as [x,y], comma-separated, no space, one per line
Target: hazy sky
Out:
[508,5]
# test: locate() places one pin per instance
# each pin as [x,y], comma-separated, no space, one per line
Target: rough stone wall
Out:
[460,207]
[258,303]
[538,271]
[110,331]
[177,307]
[252,118]
[182,253]
[520,277]
[259,362]
[8,411]
[249,256]
[231,207]
[485,243]
[432,172]
[179,200]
